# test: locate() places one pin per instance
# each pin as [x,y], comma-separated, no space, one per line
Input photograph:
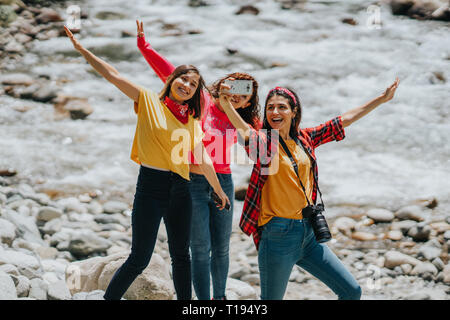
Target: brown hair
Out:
[295,107]
[251,113]
[195,104]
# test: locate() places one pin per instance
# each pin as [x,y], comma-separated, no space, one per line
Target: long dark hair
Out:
[296,107]
[195,104]
[249,114]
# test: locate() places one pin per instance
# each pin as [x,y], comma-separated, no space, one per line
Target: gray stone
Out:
[447,235]
[380,215]
[420,232]
[7,232]
[395,258]
[9,269]
[26,226]
[86,242]
[53,226]
[403,226]
[72,204]
[413,212]
[430,250]
[345,225]
[438,263]
[239,290]
[48,213]
[58,291]
[7,287]
[22,284]
[418,296]
[114,207]
[252,279]
[93,295]
[38,289]
[19,259]
[15,79]
[426,270]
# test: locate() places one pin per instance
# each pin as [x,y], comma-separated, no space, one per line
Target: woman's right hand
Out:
[224,95]
[76,44]
[223,197]
[140,28]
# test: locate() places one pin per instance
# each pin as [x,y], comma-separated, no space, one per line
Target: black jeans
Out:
[159,194]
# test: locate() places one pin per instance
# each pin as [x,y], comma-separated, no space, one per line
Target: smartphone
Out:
[217,200]
[244,87]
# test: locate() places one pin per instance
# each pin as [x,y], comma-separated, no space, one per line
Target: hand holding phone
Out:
[241,87]
[218,201]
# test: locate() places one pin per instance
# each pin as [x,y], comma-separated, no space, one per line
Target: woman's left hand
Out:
[388,94]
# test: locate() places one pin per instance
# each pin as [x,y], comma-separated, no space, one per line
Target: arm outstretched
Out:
[106,70]
[357,113]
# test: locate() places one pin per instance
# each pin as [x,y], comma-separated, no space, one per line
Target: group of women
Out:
[177,184]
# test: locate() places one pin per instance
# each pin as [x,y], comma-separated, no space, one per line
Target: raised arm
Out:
[357,113]
[162,67]
[106,70]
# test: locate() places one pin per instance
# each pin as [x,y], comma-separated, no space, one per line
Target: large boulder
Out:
[93,274]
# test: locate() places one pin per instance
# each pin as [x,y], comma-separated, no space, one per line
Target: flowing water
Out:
[398,153]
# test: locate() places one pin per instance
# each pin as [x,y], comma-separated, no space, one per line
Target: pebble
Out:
[394,235]
[363,236]
[114,207]
[48,213]
[380,215]
[395,258]
[425,270]
[344,225]
[413,212]
[420,232]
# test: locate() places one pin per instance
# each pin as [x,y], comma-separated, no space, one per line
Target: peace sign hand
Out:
[140,28]
[388,94]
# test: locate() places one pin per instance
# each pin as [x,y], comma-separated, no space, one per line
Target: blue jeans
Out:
[210,236]
[285,242]
[159,194]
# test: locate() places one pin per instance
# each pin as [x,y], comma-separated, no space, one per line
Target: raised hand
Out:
[388,94]
[140,28]
[76,44]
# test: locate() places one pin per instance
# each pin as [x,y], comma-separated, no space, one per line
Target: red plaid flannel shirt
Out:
[311,138]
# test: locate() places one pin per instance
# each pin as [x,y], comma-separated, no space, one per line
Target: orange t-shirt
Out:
[282,195]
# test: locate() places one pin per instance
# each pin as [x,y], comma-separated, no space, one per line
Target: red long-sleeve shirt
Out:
[220,134]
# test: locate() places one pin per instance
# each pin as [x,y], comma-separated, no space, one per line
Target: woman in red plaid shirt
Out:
[275,197]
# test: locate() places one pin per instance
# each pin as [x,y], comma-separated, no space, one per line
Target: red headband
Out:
[287,91]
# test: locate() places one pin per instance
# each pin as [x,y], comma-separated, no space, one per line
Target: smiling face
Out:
[240,101]
[184,87]
[279,113]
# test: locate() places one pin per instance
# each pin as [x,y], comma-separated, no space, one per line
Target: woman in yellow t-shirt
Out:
[167,130]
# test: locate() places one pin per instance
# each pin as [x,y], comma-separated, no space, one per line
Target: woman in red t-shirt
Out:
[210,227]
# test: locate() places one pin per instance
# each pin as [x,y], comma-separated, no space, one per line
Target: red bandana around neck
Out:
[180,111]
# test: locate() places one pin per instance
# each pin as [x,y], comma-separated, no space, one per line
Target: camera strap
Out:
[294,164]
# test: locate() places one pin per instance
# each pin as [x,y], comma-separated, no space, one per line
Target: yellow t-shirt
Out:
[282,195]
[161,140]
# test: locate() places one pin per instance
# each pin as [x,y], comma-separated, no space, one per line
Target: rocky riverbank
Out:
[69,248]
[60,246]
